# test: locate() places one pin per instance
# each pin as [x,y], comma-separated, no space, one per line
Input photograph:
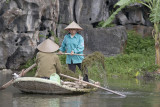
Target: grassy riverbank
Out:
[137,60]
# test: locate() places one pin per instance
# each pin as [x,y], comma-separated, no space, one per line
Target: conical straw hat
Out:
[48,46]
[73,25]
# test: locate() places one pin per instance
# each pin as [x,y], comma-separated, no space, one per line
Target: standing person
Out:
[48,62]
[73,43]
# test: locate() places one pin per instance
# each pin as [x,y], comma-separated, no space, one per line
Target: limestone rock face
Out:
[21,22]
[143,30]
[110,41]
[83,11]
[91,11]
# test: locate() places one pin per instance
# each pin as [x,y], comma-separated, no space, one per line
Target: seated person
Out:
[47,61]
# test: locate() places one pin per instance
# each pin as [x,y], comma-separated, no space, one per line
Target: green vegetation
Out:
[100,24]
[138,58]
[56,40]
[41,36]
[62,59]
[137,44]
[154,17]
[27,65]
[93,59]
[7,1]
[130,64]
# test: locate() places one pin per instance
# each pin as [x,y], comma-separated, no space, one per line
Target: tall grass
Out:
[138,57]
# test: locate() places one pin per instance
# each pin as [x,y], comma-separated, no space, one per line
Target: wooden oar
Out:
[22,73]
[70,54]
[92,85]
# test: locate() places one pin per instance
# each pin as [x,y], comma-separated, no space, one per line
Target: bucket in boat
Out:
[55,77]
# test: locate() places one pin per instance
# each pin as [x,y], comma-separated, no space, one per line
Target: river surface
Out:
[140,93]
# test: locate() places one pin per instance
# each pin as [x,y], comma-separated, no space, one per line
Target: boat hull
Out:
[44,86]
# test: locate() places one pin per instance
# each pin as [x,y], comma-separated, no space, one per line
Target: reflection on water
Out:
[139,94]
[35,101]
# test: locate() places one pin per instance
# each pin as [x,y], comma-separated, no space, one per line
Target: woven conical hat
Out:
[73,25]
[48,46]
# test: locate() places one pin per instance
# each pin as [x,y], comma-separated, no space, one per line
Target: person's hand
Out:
[23,72]
[97,83]
[72,53]
[60,52]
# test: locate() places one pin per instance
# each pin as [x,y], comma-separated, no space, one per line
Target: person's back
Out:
[48,63]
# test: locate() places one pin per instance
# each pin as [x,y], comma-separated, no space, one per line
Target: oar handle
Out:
[22,73]
[93,85]
[28,69]
[70,54]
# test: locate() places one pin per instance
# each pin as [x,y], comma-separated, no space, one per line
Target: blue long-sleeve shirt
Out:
[75,44]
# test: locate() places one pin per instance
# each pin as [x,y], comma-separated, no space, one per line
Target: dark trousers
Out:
[72,67]
[45,77]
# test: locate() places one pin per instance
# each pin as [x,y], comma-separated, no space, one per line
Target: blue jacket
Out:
[75,44]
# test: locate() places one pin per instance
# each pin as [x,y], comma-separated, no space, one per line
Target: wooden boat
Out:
[45,86]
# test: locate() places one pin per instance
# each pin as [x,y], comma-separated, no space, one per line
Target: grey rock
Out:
[61,32]
[136,17]
[91,11]
[123,20]
[109,41]
[21,55]
[66,10]
[82,11]
[143,30]
[21,23]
